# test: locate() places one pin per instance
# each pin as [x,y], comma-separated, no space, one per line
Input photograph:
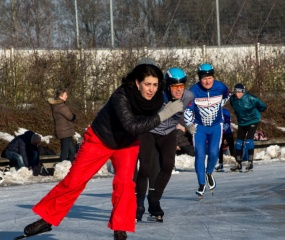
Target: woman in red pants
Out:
[131,110]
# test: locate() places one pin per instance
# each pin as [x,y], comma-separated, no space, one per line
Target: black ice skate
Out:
[201,190]
[140,212]
[211,182]
[156,213]
[249,167]
[37,227]
[237,168]
[219,168]
[120,235]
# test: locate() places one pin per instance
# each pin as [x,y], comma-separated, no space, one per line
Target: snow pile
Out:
[6,136]
[271,152]
[21,176]
[282,154]
[25,176]
[61,169]
[184,161]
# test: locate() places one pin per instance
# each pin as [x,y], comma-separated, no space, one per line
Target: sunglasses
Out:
[177,86]
[239,90]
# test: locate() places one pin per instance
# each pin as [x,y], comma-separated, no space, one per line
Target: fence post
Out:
[257,55]
[204,53]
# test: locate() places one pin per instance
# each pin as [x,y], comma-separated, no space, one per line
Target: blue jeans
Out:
[15,158]
[34,159]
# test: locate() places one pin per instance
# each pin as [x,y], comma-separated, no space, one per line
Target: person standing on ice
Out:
[204,119]
[162,142]
[247,109]
[131,110]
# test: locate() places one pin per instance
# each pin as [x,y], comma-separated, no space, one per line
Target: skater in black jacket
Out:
[134,108]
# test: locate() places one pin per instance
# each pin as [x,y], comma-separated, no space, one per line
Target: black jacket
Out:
[117,126]
[22,145]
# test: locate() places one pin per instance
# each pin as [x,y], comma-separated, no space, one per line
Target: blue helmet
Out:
[174,76]
[204,70]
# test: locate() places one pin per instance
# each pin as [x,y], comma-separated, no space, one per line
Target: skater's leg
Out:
[154,171]
[147,156]
[91,156]
[221,153]
[242,131]
[167,150]
[230,140]
[123,198]
[249,141]
[214,143]
[199,141]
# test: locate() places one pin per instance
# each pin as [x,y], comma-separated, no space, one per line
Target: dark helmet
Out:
[205,70]
[174,76]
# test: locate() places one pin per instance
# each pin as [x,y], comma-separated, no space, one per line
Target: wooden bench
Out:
[264,144]
[47,160]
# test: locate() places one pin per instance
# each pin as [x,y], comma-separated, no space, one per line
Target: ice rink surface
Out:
[244,206]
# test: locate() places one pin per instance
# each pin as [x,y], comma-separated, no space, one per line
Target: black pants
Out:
[67,149]
[230,141]
[152,145]
[246,132]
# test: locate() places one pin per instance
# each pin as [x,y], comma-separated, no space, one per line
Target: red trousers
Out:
[92,155]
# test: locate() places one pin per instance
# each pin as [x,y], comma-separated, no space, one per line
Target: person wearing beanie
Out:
[204,119]
[247,108]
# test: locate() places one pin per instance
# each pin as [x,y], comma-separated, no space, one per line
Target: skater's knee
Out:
[121,183]
[239,144]
[122,189]
[249,144]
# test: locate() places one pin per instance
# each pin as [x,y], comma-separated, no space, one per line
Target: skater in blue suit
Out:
[203,118]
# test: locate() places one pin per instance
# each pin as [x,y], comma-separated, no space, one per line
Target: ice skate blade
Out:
[200,196]
[23,236]
[240,171]
[152,218]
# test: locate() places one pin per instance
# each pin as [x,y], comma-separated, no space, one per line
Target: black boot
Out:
[211,181]
[36,227]
[155,209]
[120,235]
[140,212]
[238,167]
[249,166]
[201,190]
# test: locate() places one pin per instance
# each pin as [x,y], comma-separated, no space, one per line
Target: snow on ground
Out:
[182,163]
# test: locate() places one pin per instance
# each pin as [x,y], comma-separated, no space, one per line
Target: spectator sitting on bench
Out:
[23,151]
